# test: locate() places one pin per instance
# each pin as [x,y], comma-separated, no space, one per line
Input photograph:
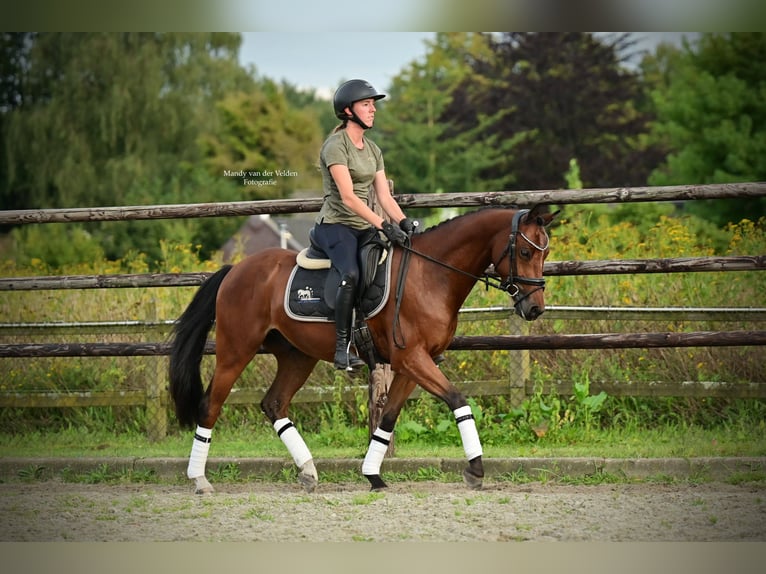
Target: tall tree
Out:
[559,96]
[260,133]
[424,152]
[710,100]
[127,119]
[105,109]
[309,101]
[14,48]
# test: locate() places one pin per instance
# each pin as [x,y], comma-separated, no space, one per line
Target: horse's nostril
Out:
[534,313]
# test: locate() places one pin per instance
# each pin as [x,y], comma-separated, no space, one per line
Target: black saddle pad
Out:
[305,294]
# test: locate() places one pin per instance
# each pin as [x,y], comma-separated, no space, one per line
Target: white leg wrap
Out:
[293,441]
[468,433]
[200,448]
[375,453]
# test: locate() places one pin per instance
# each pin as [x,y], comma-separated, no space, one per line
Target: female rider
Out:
[350,164]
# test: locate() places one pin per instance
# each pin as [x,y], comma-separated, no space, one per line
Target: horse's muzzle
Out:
[524,306]
[531,313]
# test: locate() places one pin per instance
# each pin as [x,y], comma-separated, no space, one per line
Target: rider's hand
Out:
[408,226]
[394,234]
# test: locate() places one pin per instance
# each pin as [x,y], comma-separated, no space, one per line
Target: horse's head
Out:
[521,261]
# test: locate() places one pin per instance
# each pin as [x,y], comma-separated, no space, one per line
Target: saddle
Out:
[313,282]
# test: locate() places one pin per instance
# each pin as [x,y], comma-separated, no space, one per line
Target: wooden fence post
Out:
[381,376]
[156,414]
[518,368]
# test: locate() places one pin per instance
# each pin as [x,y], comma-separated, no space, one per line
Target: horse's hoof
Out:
[471,480]
[376,483]
[308,481]
[202,486]
[307,476]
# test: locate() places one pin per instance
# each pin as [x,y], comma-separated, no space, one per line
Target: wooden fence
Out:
[154,397]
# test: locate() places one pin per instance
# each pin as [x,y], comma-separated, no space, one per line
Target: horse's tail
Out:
[187,347]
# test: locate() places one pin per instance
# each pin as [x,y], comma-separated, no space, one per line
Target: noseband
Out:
[511,283]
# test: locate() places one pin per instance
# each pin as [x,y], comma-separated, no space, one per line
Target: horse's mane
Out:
[463,216]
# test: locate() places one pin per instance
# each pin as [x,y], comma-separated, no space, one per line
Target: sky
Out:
[322,60]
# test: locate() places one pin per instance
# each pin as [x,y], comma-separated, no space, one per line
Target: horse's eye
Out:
[526,254]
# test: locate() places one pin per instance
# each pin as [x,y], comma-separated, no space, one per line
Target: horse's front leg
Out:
[473,476]
[435,382]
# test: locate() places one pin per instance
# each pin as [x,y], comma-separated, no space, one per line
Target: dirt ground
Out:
[51,510]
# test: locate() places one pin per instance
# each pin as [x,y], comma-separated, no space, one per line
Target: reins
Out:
[483,279]
[404,267]
[507,285]
[510,250]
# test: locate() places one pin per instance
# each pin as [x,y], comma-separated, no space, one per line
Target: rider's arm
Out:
[385,198]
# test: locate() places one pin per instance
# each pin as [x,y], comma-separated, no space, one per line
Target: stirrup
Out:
[346,360]
[349,363]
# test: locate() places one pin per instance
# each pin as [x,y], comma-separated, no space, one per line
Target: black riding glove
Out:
[408,226]
[394,234]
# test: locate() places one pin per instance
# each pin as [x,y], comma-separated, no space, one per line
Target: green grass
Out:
[662,442]
[225,474]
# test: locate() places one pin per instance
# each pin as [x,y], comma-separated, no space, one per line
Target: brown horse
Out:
[246,304]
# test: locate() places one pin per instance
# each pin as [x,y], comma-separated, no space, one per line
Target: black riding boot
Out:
[344,308]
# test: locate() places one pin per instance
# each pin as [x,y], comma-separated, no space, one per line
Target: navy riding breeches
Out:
[341,244]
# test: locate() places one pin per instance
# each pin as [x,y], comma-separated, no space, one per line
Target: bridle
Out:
[511,283]
[508,285]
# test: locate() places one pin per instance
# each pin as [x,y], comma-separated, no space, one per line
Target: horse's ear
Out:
[539,214]
[549,217]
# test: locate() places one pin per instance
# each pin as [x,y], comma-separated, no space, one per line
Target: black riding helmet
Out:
[350,92]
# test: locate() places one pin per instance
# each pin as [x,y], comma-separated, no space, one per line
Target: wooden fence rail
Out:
[468,199]
[552,312]
[550,269]
[593,313]
[472,343]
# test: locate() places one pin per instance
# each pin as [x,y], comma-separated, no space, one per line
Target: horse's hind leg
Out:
[293,368]
[228,368]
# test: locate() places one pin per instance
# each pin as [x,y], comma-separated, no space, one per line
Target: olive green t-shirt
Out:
[362,164]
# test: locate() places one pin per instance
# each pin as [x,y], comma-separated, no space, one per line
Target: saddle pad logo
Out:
[306,294]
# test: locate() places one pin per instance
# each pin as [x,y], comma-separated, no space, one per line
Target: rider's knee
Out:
[349,279]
